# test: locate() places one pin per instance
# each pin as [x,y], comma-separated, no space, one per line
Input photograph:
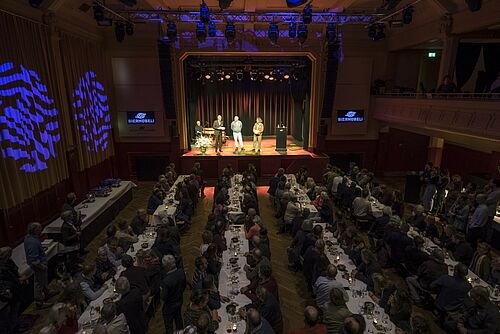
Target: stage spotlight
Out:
[474,5]
[292,30]
[271,78]
[253,75]
[225,4]
[239,75]
[130,3]
[129,29]
[120,31]
[302,33]
[201,32]
[307,14]
[286,76]
[171,31]
[230,32]
[208,76]
[408,15]
[273,33]
[227,76]
[212,29]
[331,33]
[204,12]
[266,76]
[35,3]
[295,3]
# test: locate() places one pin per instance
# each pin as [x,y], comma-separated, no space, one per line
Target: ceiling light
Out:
[230,32]
[302,33]
[119,31]
[204,12]
[286,76]
[271,78]
[129,29]
[292,30]
[273,33]
[201,32]
[212,29]
[208,76]
[307,14]
[227,76]
[266,76]
[171,31]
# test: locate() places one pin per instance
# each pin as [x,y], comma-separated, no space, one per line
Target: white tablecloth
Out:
[235,197]
[19,256]
[303,200]
[94,209]
[169,206]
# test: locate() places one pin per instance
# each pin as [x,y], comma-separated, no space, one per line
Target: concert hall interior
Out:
[144,140]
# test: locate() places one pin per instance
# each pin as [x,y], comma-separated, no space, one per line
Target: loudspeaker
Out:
[474,5]
[330,80]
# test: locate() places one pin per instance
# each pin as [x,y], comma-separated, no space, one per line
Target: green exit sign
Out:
[431,55]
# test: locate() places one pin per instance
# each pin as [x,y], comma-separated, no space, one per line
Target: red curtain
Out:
[273,102]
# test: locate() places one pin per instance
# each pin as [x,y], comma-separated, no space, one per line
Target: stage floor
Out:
[268,149]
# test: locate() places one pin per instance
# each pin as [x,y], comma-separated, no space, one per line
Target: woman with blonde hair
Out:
[258,129]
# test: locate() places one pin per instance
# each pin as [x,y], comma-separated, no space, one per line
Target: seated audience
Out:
[113,322]
[417,219]
[482,316]
[353,324]
[324,284]
[140,222]
[198,307]
[136,275]
[311,322]
[104,268]
[265,279]
[463,251]
[336,311]
[256,324]
[155,200]
[399,309]
[269,309]
[199,273]
[366,269]
[90,289]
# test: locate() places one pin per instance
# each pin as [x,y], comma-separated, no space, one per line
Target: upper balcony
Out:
[462,113]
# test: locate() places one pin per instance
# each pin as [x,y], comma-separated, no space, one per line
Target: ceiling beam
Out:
[444,6]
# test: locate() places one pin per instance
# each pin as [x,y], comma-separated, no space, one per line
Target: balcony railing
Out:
[444,96]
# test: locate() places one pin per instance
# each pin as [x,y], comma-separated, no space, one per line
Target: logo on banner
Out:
[146,117]
[353,116]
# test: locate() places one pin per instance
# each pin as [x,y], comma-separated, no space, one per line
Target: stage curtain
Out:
[273,102]
[84,64]
[32,147]
[491,52]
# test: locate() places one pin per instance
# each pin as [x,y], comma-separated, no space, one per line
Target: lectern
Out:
[281,138]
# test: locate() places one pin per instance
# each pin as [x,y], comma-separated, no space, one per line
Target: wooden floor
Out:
[268,149]
[293,292]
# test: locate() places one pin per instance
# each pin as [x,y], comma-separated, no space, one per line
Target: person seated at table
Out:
[114,251]
[481,261]
[184,208]
[312,192]
[377,228]
[399,309]
[164,245]
[417,219]
[275,180]
[397,242]
[255,260]
[248,202]
[199,306]
[419,325]
[63,318]
[283,200]
[268,307]
[382,290]
[199,273]
[311,238]
[298,220]
[312,323]
[451,291]
[215,300]
[324,284]
[312,260]
[361,206]
[105,269]
[154,270]
[135,275]
[140,222]
[163,184]
[155,200]
[266,279]
[90,289]
[398,205]
[427,272]
[415,255]
[458,215]
[326,210]
[262,246]
[255,323]
[482,316]
[335,311]
[292,209]
[302,175]
[173,230]
[252,215]
[445,241]
[207,239]
[125,234]
[131,304]
[294,251]
[463,250]
[214,265]
[353,324]
[364,272]
[113,323]
[354,248]
[431,230]
[251,228]
[219,238]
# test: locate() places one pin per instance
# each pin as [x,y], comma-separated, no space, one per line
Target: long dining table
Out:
[169,206]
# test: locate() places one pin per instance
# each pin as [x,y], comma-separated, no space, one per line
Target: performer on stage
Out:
[258,129]
[218,128]
[198,129]
[236,126]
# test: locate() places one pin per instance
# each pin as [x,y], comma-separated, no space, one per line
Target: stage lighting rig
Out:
[295,3]
[239,75]
[292,30]
[201,32]
[230,33]
[172,31]
[225,4]
[129,29]
[204,12]
[302,33]
[208,76]
[120,31]
[273,33]
[212,29]
[286,76]
[331,33]
[408,15]
[307,14]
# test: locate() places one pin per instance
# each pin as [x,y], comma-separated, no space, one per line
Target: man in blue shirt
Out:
[38,262]
[478,220]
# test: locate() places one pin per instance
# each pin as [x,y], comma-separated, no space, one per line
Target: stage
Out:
[267,162]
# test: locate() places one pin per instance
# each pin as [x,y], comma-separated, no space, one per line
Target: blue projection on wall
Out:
[28,118]
[92,112]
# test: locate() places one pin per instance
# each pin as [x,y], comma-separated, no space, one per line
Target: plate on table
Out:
[144,245]
[341,267]
[231,308]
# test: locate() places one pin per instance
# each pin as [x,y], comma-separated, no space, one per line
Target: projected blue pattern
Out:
[29,129]
[92,113]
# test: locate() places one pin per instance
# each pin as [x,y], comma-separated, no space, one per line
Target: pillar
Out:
[448,56]
[435,150]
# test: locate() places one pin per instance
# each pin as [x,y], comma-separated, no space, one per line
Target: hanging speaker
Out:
[474,5]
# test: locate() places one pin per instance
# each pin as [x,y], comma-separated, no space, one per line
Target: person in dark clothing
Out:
[136,275]
[415,255]
[273,183]
[326,210]
[10,288]
[163,245]
[417,218]
[366,269]
[312,258]
[70,236]
[298,221]
[482,317]
[155,200]
[69,205]
[377,228]
[269,309]
[463,250]
[451,290]
[104,268]
[399,309]
[140,222]
[213,264]
[448,86]
[398,241]
[172,290]
[131,305]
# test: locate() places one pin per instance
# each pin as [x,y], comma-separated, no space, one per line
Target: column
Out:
[448,56]
[435,150]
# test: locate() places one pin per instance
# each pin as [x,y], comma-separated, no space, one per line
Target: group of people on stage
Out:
[236,127]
